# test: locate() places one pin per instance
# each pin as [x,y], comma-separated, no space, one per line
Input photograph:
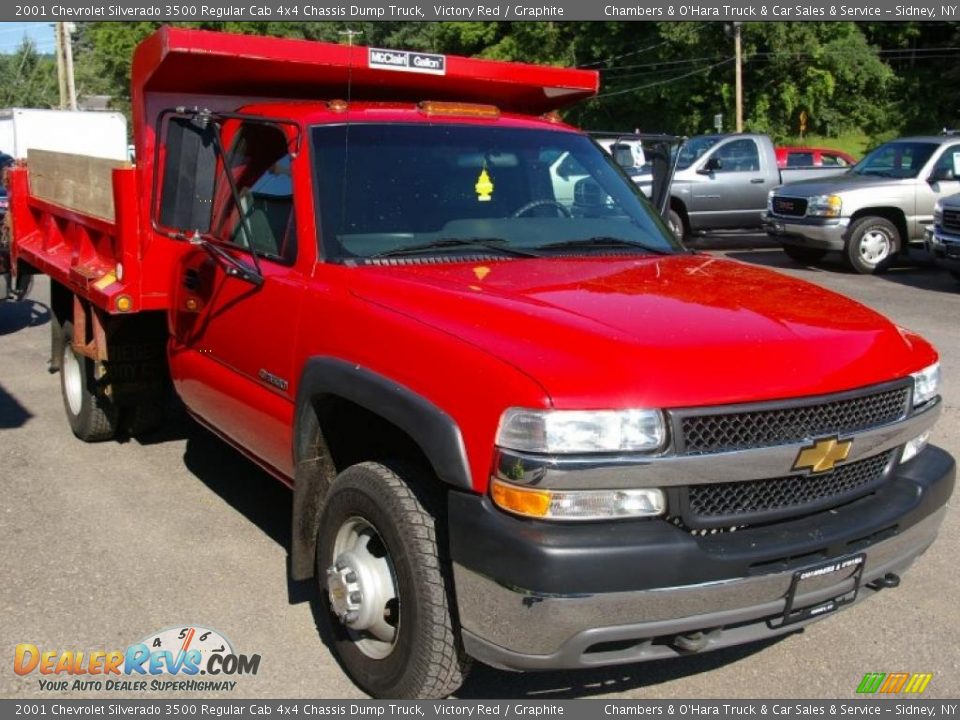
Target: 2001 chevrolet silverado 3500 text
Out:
[490,403]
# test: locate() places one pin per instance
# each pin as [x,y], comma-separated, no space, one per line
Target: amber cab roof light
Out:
[461,109]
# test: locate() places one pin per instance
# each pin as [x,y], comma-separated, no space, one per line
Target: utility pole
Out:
[67,34]
[739,75]
[61,71]
[350,35]
[68,88]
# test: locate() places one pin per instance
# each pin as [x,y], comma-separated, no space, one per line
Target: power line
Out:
[685,61]
[663,82]
[889,53]
[655,71]
[632,52]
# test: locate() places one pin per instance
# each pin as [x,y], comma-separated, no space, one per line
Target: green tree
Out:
[28,79]
[657,76]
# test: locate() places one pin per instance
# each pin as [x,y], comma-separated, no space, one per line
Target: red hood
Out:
[653,331]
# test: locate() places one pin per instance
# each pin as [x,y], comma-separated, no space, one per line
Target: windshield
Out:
[897,159]
[454,189]
[694,148]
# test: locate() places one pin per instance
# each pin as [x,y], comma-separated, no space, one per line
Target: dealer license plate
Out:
[823,575]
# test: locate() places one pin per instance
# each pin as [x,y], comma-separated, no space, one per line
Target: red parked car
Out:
[813,157]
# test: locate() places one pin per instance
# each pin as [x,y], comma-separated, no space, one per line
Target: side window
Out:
[949,161]
[739,156]
[833,160]
[259,162]
[801,159]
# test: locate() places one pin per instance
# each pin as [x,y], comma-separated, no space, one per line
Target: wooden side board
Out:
[79,182]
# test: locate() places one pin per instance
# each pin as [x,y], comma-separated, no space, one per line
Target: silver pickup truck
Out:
[871,212]
[722,181]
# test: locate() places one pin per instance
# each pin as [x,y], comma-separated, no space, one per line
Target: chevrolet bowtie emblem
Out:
[822,455]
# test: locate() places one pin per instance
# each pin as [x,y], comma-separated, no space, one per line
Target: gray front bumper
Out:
[519,630]
[807,232]
[943,247]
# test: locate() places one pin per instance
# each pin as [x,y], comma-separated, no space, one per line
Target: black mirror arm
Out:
[233,266]
[235,194]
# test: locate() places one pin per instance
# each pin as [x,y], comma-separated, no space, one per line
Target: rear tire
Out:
[872,245]
[804,255]
[92,417]
[386,594]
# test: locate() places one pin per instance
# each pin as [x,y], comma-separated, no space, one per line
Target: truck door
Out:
[232,352]
[942,180]
[731,185]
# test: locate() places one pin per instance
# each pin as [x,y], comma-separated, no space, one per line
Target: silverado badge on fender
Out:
[822,455]
[277,382]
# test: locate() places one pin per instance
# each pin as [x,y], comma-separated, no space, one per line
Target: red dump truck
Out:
[520,425]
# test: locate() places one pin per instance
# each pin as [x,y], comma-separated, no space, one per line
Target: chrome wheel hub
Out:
[362,588]
[72,380]
[875,247]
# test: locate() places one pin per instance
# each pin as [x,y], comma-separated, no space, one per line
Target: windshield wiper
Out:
[497,245]
[602,241]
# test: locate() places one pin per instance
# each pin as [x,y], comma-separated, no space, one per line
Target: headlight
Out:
[938,213]
[824,206]
[581,431]
[770,200]
[577,504]
[926,384]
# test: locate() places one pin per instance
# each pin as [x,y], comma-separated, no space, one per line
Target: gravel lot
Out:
[105,544]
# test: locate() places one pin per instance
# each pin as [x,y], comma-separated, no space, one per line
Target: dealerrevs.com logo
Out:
[169,660]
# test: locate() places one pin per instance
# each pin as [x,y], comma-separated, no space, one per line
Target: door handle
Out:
[757,181]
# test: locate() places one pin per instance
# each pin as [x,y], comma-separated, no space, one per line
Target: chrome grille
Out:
[700,432]
[951,220]
[794,207]
[755,501]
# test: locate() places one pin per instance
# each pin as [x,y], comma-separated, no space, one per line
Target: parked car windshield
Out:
[694,148]
[389,189]
[898,159]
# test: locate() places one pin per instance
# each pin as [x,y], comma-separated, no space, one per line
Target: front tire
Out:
[872,245]
[955,274]
[804,255]
[92,417]
[675,223]
[385,592]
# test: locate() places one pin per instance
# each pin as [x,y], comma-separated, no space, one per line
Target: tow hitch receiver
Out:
[823,575]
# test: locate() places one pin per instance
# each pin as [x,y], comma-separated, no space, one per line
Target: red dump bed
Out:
[209,63]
